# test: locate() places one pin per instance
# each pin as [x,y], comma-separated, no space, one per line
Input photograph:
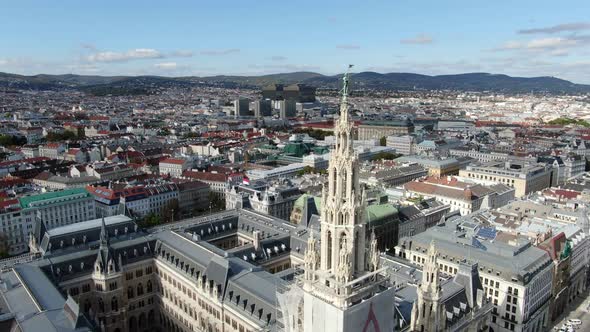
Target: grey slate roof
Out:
[521,262]
[37,304]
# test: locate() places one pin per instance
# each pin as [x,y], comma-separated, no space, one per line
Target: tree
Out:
[386,156]
[313,133]
[216,203]
[3,246]
[569,121]
[190,135]
[309,169]
[8,140]
[383,141]
[65,136]
[151,219]
[305,170]
[171,211]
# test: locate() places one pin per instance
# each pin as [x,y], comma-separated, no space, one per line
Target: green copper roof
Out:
[299,202]
[380,211]
[298,149]
[25,202]
[375,212]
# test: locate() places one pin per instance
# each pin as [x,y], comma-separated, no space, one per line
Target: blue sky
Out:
[181,38]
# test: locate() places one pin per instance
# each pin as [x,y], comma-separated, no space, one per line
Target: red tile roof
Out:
[73,151]
[23,161]
[174,161]
[561,193]
[43,176]
[10,203]
[205,176]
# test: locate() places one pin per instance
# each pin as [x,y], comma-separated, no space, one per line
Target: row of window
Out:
[138,273]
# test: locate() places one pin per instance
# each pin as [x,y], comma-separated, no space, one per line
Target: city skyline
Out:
[524,39]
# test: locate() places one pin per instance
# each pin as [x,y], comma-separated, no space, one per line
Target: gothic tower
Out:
[342,224]
[427,310]
[346,290]
[108,311]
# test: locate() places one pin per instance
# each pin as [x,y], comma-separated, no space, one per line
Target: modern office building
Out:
[241,107]
[262,108]
[287,108]
[404,144]
[286,171]
[368,130]
[301,93]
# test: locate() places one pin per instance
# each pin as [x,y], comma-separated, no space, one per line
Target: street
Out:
[578,310]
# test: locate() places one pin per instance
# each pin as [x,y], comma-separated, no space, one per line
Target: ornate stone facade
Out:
[346,284]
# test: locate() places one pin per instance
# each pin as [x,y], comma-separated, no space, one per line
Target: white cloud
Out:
[262,69]
[166,65]
[182,54]
[560,52]
[3,62]
[578,26]
[136,54]
[220,52]
[551,43]
[348,47]
[420,39]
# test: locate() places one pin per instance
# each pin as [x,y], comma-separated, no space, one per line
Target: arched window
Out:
[151,317]
[149,286]
[342,239]
[139,289]
[129,292]
[100,305]
[344,177]
[357,260]
[329,246]
[132,324]
[114,304]
[334,183]
[142,320]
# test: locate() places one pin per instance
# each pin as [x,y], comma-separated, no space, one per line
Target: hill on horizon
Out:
[476,82]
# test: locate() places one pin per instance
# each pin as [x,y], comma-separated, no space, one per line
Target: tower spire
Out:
[427,311]
[104,235]
[430,271]
[345,92]
[345,88]
[343,225]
